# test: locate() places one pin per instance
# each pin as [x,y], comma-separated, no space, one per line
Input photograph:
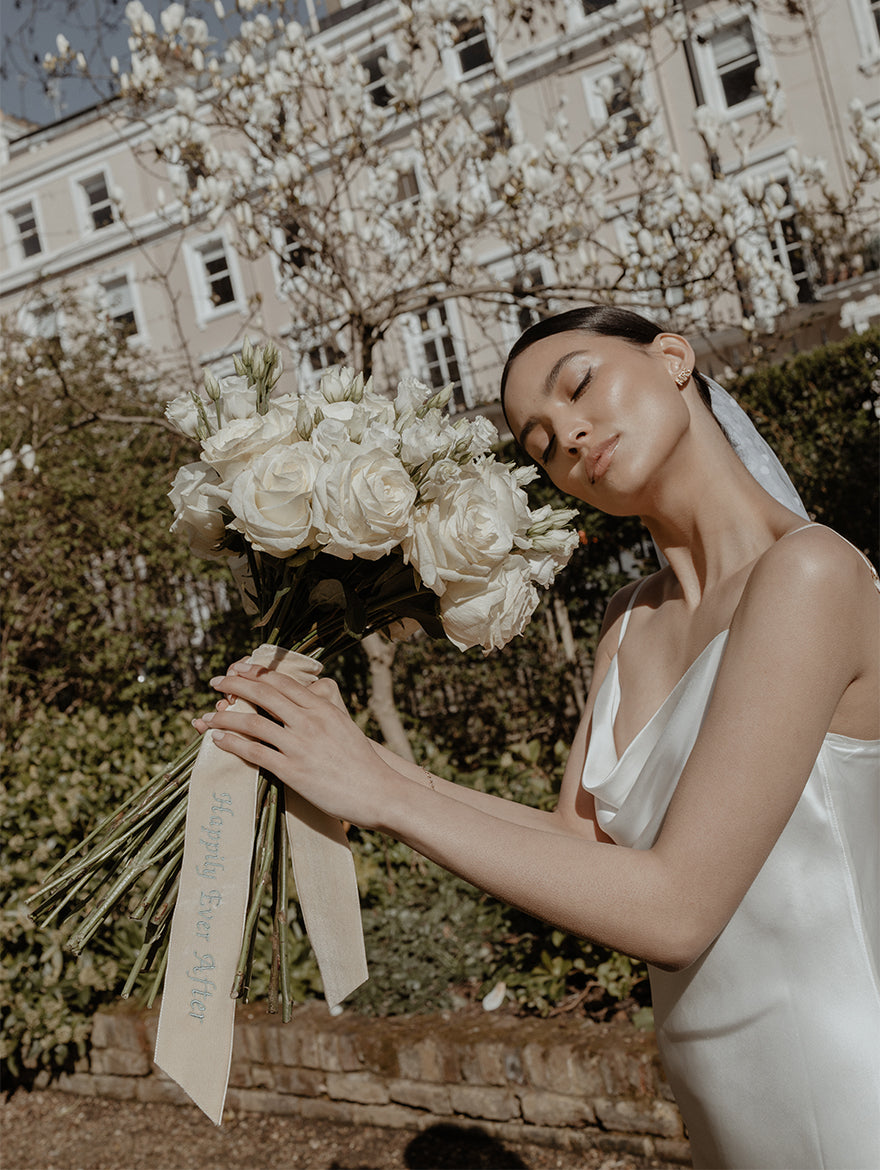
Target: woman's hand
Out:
[304,736]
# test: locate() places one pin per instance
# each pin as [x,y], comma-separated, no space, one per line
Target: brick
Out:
[117,1030]
[298,1046]
[261,1101]
[482,1063]
[153,1089]
[322,1109]
[549,1067]
[327,1044]
[123,1062]
[643,1116]
[299,1082]
[416,1094]
[585,1072]
[513,1066]
[362,1087]
[483,1101]
[82,1084]
[348,1053]
[118,1088]
[540,1107]
[387,1116]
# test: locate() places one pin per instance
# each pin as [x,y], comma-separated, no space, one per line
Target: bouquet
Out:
[339,511]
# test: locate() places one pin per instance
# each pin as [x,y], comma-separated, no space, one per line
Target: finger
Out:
[274,692]
[252,751]
[247,723]
[327,689]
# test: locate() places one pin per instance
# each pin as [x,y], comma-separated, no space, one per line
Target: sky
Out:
[28,29]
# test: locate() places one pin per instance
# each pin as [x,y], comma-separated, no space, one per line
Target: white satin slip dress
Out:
[771,1039]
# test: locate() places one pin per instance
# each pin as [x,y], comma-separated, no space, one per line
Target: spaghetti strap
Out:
[871,569]
[628,610]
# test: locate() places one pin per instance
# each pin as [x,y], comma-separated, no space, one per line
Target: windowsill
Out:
[209,316]
[870,63]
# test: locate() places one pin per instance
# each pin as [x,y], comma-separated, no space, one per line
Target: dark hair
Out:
[601,320]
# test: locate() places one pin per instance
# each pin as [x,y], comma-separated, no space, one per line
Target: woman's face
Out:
[599,414]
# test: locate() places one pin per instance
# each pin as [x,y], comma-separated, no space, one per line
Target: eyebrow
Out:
[547,389]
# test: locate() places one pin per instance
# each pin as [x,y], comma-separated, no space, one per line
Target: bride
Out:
[719,812]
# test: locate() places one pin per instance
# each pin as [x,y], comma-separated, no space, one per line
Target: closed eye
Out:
[582,385]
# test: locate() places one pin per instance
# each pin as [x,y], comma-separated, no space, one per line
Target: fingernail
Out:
[215,682]
[207,718]
[218,735]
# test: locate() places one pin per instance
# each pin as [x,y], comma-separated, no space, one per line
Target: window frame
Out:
[707,67]
[206,311]
[88,207]
[462,399]
[865,23]
[598,109]
[451,57]
[19,237]
[126,275]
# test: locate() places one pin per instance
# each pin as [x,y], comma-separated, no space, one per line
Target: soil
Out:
[47,1130]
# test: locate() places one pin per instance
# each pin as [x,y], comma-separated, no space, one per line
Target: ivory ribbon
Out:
[197,1016]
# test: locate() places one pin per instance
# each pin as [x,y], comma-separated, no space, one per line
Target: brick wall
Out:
[565,1082]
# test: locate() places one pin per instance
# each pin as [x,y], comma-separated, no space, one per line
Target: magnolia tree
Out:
[382,190]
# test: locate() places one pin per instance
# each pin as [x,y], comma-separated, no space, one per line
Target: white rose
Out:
[271,499]
[363,504]
[196,498]
[240,441]
[411,394]
[488,612]
[237,399]
[468,526]
[426,438]
[183,414]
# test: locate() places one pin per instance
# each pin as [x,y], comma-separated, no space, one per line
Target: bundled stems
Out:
[145,834]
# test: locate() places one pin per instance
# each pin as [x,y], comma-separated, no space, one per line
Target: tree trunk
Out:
[380,653]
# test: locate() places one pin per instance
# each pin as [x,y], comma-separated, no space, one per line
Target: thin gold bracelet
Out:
[430,780]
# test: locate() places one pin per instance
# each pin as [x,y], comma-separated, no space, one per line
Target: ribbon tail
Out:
[197,1016]
[326,885]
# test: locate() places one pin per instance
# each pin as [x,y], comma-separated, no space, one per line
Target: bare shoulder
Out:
[813,579]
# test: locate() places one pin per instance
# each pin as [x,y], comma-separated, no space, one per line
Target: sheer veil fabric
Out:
[770,1039]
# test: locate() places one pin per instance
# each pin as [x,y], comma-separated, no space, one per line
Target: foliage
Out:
[99,599]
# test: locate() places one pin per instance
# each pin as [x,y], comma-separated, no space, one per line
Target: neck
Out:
[710,518]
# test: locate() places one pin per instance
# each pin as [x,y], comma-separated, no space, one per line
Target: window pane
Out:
[100,204]
[472,46]
[591,6]
[26,222]
[376,86]
[736,59]
[220,290]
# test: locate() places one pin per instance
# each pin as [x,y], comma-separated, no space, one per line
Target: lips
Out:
[600,457]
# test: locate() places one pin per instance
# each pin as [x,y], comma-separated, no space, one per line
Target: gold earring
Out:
[682,378]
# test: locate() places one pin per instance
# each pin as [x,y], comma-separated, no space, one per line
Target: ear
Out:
[676,352]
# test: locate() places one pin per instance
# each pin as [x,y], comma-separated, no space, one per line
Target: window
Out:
[99,201]
[866,19]
[440,356]
[591,6]
[472,44]
[120,305]
[736,61]
[529,309]
[324,355]
[610,106]
[376,86]
[625,117]
[789,248]
[28,234]
[407,188]
[218,277]
[295,253]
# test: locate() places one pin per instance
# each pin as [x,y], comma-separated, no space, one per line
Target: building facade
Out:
[86,203]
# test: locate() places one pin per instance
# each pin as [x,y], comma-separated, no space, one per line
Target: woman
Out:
[730,745]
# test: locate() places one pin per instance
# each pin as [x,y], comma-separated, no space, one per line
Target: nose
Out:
[578,435]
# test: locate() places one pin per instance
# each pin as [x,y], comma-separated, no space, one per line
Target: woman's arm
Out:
[794,648]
